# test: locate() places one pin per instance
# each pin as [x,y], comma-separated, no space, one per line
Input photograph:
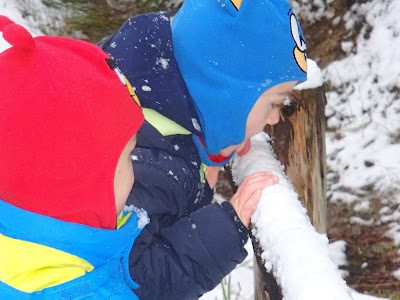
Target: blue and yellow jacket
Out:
[190,244]
[45,258]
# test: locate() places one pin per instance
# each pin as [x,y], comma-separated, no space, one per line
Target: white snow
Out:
[305,265]
[363,111]
[338,256]
[366,112]
[296,253]
[146,88]
[314,77]
[142,214]
[362,206]
[363,143]
[196,124]
[317,7]
[364,265]
[361,221]
[164,62]
[397,274]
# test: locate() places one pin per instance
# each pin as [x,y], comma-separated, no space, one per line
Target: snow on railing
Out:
[293,250]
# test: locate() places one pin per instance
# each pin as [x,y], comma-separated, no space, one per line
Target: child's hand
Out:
[212,176]
[249,193]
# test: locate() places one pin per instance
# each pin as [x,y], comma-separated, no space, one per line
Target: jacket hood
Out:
[107,251]
[94,245]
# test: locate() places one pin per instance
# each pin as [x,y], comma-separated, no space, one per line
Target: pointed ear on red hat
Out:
[15,34]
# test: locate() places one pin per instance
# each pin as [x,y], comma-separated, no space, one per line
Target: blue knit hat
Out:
[229,54]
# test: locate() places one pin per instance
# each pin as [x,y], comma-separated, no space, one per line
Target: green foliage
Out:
[96,19]
[226,286]
[228,291]
[93,19]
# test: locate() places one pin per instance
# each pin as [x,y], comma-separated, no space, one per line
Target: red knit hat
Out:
[65,117]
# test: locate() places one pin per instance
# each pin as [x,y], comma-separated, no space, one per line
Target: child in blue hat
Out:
[207,83]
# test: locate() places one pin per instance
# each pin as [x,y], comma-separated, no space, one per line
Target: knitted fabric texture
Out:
[229,54]
[65,117]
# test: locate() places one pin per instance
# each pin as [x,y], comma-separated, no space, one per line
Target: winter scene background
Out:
[356,44]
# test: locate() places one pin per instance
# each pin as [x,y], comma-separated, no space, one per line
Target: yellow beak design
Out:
[132,92]
[301,58]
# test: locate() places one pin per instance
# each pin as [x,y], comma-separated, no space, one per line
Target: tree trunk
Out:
[299,143]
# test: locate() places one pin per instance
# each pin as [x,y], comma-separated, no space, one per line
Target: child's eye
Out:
[296,33]
[277,106]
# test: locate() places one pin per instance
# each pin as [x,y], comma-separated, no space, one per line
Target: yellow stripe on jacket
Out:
[31,267]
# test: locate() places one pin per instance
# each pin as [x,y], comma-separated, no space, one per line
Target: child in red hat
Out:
[68,125]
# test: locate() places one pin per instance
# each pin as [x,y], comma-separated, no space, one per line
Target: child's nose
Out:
[273,117]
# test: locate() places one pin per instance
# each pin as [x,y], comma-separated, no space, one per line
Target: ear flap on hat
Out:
[15,34]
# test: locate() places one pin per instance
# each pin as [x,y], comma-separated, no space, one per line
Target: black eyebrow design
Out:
[111,63]
[234,5]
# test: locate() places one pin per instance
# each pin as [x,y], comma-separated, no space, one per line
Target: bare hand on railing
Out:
[248,194]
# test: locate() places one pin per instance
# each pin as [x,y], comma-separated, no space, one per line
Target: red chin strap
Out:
[214,158]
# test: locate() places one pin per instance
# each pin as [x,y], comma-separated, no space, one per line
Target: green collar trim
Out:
[164,125]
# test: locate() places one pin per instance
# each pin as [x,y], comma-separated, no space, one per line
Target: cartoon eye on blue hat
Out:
[299,51]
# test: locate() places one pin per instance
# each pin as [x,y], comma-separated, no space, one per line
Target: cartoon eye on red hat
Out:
[113,66]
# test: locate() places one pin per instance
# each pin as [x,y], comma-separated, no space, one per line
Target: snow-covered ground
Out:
[363,146]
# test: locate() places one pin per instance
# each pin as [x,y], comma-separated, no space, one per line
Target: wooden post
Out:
[299,143]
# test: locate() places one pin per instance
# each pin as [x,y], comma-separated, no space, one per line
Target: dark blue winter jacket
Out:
[190,243]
